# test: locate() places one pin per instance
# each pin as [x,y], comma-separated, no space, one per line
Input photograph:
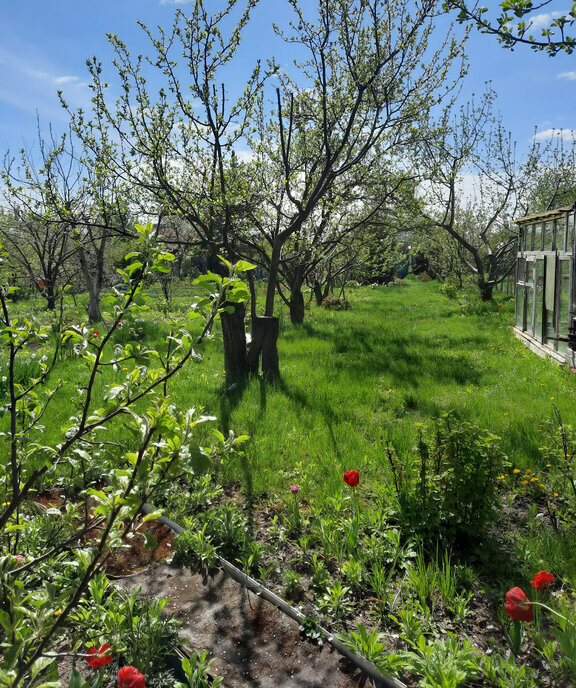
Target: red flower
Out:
[129,677]
[294,489]
[95,334]
[351,478]
[541,580]
[119,325]
[518,605]
[101,656]
[499,305]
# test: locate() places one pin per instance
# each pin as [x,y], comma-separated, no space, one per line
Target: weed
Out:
[333,602]
[447,663]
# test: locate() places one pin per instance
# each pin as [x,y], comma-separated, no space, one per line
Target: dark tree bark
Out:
[486,289]
[296,306]
[265,343]
[318,293]
[234,337]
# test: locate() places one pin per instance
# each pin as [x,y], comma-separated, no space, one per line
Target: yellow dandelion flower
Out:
[524,482]
[516,470]
[58,612]
[551,398]
[505,414]
[542,486]
[533,480]
[555,494]
[548,465]
[528,471]
[501,477]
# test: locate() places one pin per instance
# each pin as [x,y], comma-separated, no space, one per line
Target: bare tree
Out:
[473,142]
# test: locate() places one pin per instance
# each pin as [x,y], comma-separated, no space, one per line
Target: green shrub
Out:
[448,489]
[450,288]
[336,304]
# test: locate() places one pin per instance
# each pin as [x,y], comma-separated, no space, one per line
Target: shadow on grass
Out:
[408,359]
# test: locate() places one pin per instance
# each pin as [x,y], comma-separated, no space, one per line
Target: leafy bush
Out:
[450,288]
[336,304]
[448,489]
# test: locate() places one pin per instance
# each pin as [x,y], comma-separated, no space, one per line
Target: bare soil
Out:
[252,643]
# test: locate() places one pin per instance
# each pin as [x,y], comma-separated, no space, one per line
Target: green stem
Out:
[544,606]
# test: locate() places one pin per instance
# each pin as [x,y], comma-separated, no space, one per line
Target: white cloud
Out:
[571,76]
[566,134]
[65,79]
[542,21]
[245,155]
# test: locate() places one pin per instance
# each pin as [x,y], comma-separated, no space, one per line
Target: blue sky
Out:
[45,44]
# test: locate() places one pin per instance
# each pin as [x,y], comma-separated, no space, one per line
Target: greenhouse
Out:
[545,290]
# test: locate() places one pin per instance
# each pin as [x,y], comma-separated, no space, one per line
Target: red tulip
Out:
[95,334]
[129,677]
[294,489]
[351,478]
[541,580]
[518,606]
[100,658]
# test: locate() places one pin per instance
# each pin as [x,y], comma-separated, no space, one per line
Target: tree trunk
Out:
[296,305]
[318,293]
[265,341]
[272,277]
[50,298]
[486,290]
[93,309]
[234,337]
[93,287]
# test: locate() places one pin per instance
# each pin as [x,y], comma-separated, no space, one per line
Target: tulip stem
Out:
[553,611]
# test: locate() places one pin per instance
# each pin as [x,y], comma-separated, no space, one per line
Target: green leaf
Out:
[244,266]
[152,516]
[75,680]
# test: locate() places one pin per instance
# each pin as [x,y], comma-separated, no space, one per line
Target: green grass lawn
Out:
[353,381]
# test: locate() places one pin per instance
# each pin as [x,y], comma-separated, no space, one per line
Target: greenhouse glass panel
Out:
[548,235]
[549,299]
[529,310]
[520,291]
[539,299]
[521,270]
[537,246]
[523,235]
[563,303]
[528,232]
[569,232]
[561,234]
